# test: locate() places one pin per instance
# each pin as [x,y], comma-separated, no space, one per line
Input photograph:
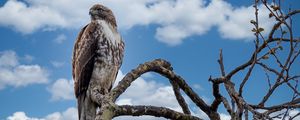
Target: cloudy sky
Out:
[37,38]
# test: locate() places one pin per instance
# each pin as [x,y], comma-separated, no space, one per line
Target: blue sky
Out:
[37,38]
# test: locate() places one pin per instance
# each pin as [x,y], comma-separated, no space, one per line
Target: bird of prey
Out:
[97,57]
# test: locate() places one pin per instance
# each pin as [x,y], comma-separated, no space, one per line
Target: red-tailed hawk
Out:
[97,57]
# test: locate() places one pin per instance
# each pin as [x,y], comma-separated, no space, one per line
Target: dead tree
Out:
[268,50]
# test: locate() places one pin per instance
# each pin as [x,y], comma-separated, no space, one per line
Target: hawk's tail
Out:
[86,108]
[80,101]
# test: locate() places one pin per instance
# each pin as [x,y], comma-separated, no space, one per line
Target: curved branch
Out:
[135,73]
[163,68]
[153,111]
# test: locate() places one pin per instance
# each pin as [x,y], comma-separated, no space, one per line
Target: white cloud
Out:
[20,116]
[27,19]
[282,113]
[148,75]
[175,20]
[69,114]
[150,93]
[62,89]
[197,19]
[57,64]
[12,73]
[8,59]
[46,15]
[237,25]
[60,39]
[225,116]
[28,58]
[293,113]
[197,87]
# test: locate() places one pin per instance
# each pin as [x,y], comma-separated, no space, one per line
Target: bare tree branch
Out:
[179,98]
[153,111]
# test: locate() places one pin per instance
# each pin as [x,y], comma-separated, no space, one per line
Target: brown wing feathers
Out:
[83,60]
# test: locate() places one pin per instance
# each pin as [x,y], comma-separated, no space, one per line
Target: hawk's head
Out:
[100,12]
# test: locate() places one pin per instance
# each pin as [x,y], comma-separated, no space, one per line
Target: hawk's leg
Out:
[102,78]
[97,95]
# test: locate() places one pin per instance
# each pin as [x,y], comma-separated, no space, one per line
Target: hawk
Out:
[97,57]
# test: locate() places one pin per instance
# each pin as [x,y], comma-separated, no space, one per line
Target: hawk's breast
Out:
[110,46]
